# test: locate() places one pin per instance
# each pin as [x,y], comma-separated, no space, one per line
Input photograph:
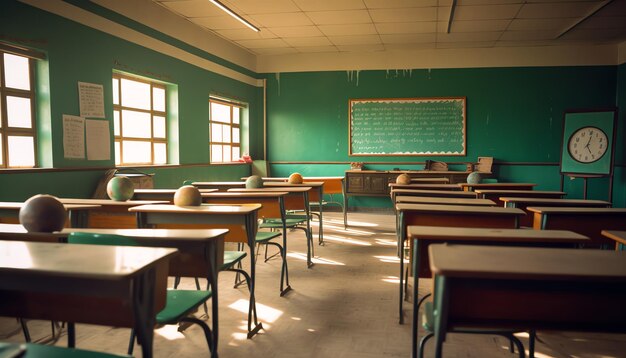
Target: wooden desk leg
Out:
[145,318]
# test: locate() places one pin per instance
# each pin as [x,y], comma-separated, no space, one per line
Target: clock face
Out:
[587,144]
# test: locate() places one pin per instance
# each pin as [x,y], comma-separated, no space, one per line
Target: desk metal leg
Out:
[320,234]
[441,313]
[414,323]
[145,319]
[212,277]
[252,314]
[345,210]
[401,253]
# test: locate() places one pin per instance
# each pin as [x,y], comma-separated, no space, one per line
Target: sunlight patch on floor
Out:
[301,256]
[391,279]
[393,259]
[387,242]
[170,332]
[346,240]
[264,312]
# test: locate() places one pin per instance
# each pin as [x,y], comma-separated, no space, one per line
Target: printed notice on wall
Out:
[73,137]
[98,140]
[91,99]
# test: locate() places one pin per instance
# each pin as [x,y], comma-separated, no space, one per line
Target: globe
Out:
[295,178]
[120,189]
[403,179]
[187,195]
[43,213]
[254,182]
[474,178]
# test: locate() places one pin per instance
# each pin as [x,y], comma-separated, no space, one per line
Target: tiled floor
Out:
[344,306]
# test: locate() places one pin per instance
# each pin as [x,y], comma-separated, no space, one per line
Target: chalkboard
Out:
[407,126]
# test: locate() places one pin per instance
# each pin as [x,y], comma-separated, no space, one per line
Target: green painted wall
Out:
[79,53]
[513,115]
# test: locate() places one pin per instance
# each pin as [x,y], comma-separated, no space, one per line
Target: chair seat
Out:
[231,258]
[277,223]
[43,351]
[180,303]
[263,236]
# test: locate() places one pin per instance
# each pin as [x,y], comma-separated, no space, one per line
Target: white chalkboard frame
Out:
[462,134]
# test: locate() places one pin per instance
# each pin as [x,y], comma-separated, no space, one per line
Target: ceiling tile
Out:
[540,24]
[353,29]
[329,5]
[614,35]
[194,8]
[405,14]
[275,51]
[361,48]
[410,46]
[492,2]
[604,23]
[406,27]
[555,10]
[262,43]
[485,12]
[307,41]
[475,26]
[317,49]
[408,38]
[523,43]
[468,36]
[245,34]
[468,44]
[528,35]
[242,7]
[282,19]
[219,23]
[392,4]
[355,40]
[339,17]
[297,31]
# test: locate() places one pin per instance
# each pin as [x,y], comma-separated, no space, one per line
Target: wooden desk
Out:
[495,194]
[10,211]
[17,232]
[618,236]
[432,193]
[161,194]
[443,201]
[423,236]
[449,216]
[527,288]
[219,185]
[499,186]
[110,214]
[241,220]
[272,207]
[586,221]
[523,203]
[63,282]
[449,187]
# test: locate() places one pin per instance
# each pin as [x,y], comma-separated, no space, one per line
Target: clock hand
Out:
[588,142]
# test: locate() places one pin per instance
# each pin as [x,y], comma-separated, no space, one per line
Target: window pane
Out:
[16,72]
[235,135]
[137,152]
[158,99]
[236,155]
[118,151]
[216,132]
[226,133]
[1,155]
[135,124]
[227,154]
[236,115]
[116,91]
[135,94]
[216,153]
[116,123]
[21,151]
[159,127]
[160,153]
[220,113]
[18,112]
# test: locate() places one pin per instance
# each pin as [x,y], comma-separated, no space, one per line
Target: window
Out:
[17,111]
[139,121]
[225,135]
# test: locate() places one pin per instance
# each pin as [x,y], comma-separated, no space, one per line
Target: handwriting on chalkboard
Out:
[407,126]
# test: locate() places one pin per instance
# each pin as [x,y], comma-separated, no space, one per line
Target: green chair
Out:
[43,351]
[179,303]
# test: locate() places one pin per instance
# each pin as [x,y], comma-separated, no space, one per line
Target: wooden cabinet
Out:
[375,183]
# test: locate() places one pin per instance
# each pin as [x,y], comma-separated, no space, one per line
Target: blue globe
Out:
[474,178]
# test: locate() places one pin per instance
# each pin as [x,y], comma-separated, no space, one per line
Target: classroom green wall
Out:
[78,53]
[513,114]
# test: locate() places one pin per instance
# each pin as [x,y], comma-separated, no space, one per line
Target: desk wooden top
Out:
[217,183]
[284,179]
[527,193]
[496,185]
[246,194]
[168,191]
[443,200]
[314,184]
[527,263]
[555,202]
[292,189]
[209,209]
[459,209]
[107,202]
[11,205]
[430,193]
[618,236]
[430,180]
[26,259]
[498,235]
[434,172]
[425,186]
[165,235]
[576,210]
[18,232]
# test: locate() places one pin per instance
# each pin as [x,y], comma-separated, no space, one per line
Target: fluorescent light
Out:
[233,14]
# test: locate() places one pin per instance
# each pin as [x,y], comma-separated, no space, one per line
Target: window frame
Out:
[231,124]
[5,130]
[119,139]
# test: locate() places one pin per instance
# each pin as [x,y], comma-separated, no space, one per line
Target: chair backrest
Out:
[100,239]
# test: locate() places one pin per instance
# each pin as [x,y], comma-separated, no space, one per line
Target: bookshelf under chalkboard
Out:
[408,126]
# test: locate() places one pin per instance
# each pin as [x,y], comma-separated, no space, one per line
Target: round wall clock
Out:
[587,144]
